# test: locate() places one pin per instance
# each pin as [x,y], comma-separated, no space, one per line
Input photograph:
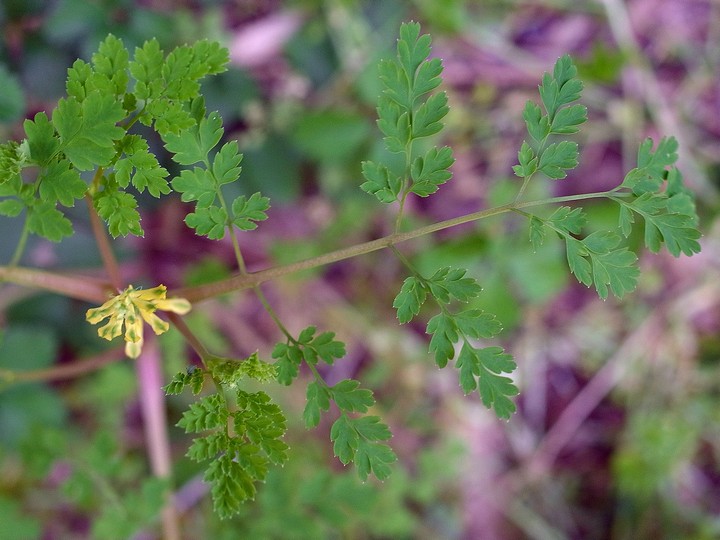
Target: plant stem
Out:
[250,280]
[64,371]
[21,245]
[108,257]
[95,291]
[192,340]
[73,286]
[150,380]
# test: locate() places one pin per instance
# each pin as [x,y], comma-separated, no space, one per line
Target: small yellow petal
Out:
[133,327]
[95,315]
[176,305]
[149,295]
[113,328]
[156,323]
[133,349]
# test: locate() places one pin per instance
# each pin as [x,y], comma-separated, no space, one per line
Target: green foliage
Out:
[89,131]
[403,118]
[240,440]
[212,216]
[240,432]
[669,214]
[357,440]
[557,92]
[599,259]
[307,347]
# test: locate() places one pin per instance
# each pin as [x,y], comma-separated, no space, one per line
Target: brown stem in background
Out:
[152,403]
[73,286]
[108,257]
[64,371]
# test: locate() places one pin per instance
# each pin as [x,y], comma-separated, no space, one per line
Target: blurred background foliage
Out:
[618,432]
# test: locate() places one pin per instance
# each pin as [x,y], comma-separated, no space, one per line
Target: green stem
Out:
[318,378]
[95,291]
[250,280]
[406,183]
[524,186]
[21,245]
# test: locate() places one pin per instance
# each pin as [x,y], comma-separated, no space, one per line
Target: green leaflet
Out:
[430,171]
[670,216]
[318,401]
[404,117]
[193,377]
[193,145]
[481,369]
[557,92]
[140,167]
[88,129]
[411,297]
[309,348]
[42,141]
[357,440]
[59,182]
[119,210]
[47,221]
[246,211]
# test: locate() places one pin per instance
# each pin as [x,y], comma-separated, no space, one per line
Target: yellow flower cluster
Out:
[130,308]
